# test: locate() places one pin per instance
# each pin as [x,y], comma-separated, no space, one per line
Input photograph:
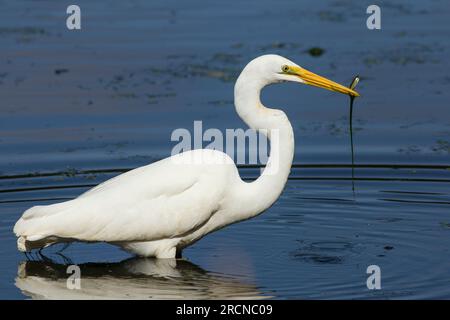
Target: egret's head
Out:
[274,68]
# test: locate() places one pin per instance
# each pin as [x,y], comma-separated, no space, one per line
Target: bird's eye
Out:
[285,68]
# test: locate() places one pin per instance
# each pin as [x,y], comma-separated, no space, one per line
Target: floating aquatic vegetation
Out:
[220,102]
[197,70]
[400,34]
[70,172]
[61,71]
[400,8]
[327,15]
[181,56]
[23,34]
[441,146]
[410,149]
[237,45]
[404,60]
[414,124]
[127,95]
[337,128]
[316,51]
[227,58]
[371,61]
[445,224]
[161,95]
[412,53]
[23,31]
[2,76]
[153,98]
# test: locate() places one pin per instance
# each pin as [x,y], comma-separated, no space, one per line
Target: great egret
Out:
[159,209]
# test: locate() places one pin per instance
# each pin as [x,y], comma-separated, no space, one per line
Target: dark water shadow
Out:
[134,278]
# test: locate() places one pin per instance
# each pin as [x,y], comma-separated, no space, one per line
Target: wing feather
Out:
[154,202]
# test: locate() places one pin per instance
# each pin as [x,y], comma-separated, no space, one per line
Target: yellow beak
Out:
[315,80]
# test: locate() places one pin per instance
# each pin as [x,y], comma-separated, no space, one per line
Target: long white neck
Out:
[256,196]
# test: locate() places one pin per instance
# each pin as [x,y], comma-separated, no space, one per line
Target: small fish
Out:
[354,83]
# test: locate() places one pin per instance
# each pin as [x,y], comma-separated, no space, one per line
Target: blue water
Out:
[138,70]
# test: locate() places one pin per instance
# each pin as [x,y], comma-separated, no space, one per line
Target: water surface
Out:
[78,108]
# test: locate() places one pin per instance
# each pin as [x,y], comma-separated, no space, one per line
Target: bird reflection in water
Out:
[134,278]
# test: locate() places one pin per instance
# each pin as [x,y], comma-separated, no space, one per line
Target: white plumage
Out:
[159,209]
